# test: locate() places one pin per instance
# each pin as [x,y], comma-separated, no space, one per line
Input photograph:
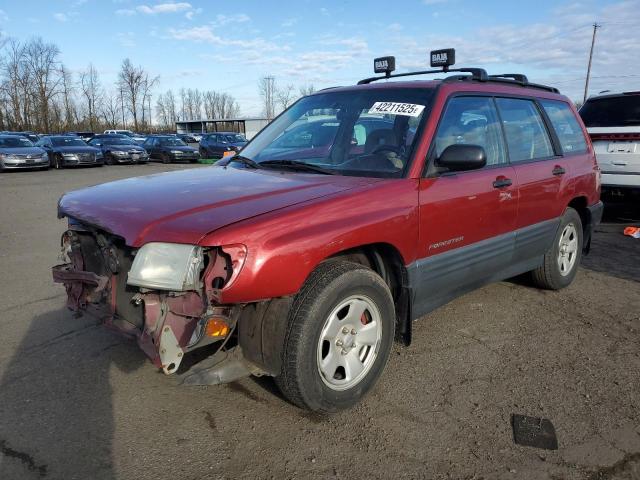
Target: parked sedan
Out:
[67,150]
[170,149]
[119,149]
[218,145]
[19,152]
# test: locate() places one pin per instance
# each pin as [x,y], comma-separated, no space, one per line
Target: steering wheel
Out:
[391,149]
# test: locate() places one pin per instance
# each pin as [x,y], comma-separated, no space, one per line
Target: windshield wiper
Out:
[245,161]
[300,166]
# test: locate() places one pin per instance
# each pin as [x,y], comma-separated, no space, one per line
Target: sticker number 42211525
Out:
[393,108]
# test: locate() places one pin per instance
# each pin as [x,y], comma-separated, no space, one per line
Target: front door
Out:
[467,219]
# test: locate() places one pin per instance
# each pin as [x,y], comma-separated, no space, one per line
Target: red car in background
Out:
[304,259]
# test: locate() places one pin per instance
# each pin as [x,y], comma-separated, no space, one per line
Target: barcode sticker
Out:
[393,108]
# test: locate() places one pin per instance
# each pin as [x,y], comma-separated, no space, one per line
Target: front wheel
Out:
[165,158]
[561,261]
[340,332]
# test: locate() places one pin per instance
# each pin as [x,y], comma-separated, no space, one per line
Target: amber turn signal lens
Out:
[217,327]
[228,154]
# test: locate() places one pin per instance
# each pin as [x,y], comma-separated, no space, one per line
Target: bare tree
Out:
[111,109]
[131,81]
[68,91]
[147,85]
[44,67]
[307,90]
[92,93]
[286,96]
[267,91]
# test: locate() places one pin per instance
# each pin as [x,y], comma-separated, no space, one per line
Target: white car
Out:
[613,122]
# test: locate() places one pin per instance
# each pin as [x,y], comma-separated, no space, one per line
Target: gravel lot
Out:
[79,402]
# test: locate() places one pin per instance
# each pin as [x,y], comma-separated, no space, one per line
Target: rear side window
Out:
[566,126]
[527,136]
[618,111]
[472,121]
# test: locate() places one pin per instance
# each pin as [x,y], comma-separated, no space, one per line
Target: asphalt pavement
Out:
[80,402]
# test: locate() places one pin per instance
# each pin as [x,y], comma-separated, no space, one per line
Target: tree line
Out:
[38,92]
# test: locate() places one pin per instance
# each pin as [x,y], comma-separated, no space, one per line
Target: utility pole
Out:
[593,42]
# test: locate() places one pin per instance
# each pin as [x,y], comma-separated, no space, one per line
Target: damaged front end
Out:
[166,296]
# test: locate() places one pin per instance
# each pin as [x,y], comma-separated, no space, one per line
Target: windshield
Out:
[15,142]
[234,138]
[620,111]
[367,132]
[68,142]
[172,142]
[118,141]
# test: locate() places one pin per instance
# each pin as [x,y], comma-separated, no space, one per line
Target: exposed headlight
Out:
[71,156]
[176,152]
[167,266]
[119,152]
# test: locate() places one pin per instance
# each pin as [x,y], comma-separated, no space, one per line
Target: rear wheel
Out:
[563,258]
[340,332]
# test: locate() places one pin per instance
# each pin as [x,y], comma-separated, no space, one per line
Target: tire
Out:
[330,293]
[57,162]
[108,159]
[165,158]
[563,257]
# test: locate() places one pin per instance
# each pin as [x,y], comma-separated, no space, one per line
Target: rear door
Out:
[540,172]
[467,218]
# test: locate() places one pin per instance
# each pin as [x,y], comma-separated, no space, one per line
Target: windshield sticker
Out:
[393,108]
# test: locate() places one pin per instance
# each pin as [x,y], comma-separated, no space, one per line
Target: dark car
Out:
[170,149]
[220,144]
[17,151]
[119,149]
[69,150]
[86,136]
[186,138]
[33,137]
[307,268]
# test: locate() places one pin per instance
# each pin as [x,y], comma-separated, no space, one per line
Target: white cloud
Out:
[206,34]
[169,7]
[289,22]
[222,20]
[126,39]
[60,17]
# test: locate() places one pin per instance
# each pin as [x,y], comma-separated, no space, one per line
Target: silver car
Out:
[19,152]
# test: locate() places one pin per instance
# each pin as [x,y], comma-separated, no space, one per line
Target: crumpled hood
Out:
[184,206]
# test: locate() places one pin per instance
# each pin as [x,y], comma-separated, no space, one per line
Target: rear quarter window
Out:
[566,126]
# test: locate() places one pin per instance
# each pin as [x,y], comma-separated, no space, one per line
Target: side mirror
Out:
[460,157]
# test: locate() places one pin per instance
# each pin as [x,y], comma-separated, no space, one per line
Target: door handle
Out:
[558,170]
[502,182]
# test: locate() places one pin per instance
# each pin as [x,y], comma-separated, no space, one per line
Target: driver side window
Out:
[471,121]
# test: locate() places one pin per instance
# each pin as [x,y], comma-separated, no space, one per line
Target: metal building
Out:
[248,126]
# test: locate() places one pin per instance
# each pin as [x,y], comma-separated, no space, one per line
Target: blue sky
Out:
[228,46]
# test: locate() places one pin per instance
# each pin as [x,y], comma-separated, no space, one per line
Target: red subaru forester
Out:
[356,211]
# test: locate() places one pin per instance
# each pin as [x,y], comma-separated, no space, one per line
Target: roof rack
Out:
[445,59]
[510,78]
[478,74]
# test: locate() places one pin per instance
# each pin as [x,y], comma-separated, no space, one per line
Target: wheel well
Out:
[579,204]
[386,261]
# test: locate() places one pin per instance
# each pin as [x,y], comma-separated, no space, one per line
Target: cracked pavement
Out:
[79,402]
